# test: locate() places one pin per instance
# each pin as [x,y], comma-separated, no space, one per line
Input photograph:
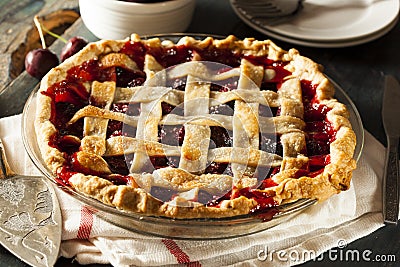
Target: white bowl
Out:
[112,19]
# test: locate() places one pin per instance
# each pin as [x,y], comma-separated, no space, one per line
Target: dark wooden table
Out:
[359,70]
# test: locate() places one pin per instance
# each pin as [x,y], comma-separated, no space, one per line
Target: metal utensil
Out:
[268,8]
[30,216]
[390,117]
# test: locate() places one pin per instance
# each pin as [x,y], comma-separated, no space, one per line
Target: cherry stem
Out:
[39,28]
[42,28]
[54,34]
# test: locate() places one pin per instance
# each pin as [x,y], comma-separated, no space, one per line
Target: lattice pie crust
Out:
[192,186]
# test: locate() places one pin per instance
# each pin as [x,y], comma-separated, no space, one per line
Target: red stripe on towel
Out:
[179,254]
[86,223]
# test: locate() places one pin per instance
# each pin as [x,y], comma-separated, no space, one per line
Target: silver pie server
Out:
[390,119]
[30,216]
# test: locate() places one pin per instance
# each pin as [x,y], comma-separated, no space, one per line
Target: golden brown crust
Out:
[334,178]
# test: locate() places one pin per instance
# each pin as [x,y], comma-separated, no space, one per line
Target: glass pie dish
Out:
[208,228]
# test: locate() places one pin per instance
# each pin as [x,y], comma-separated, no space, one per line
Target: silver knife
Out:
[30,216]
[391,123]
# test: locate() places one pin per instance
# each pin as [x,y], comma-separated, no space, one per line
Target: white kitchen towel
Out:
[334,223]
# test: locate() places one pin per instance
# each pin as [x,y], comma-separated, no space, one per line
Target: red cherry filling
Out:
[177,84]
[118,179]
[224,86]
[280,72]
[65,112]
[92,70]
[136,51]
[316,162]
[68,92]
[270,143]
[223,56]
[171,134]
[170,109]
[70,95]
[64,174]
[320,133]
[158,162]
[170,56]
[88,71]
[220,137]
[117,128]
[314,111]
[128,78]
[219,168]
[64,143]
[265,208]
[267,183]
[117,164]
[263,199]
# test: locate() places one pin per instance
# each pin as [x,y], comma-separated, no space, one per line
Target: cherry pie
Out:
[194,129]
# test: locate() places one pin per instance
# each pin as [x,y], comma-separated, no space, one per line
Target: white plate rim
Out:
[378,15]
[322,44]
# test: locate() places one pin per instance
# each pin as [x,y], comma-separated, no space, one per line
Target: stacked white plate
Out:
[328,23]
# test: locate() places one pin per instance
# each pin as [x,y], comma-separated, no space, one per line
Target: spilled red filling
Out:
[320,133]
[70,95]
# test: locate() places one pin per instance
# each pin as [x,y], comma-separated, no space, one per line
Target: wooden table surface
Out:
[359,70]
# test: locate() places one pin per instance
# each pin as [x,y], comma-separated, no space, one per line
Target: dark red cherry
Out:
[73,46]
[39,61]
